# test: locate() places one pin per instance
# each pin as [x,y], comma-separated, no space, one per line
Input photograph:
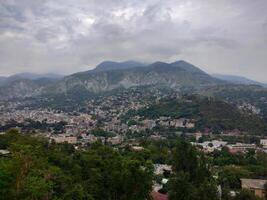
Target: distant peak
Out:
[159,63]
[181,62]
[112,65]
[186,66]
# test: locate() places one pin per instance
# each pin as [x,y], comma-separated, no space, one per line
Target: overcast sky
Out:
[65,36]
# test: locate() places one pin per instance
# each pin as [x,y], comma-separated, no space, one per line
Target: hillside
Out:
[213,114]
[16,87]
[178,75]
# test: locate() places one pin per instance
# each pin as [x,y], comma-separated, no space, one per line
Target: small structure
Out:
[137,148]
[257,186]
[241,147]
[263,142]
[63,138]
[198,135]
[159,169]
[115,140]
[210,146]
[4,152]
[159,196]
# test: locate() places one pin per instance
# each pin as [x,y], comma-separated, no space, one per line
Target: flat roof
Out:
[253,183]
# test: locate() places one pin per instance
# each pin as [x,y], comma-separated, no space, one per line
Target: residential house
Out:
[241,147]
[159,196]
[63,138]
[210,146]
[263,142]
[257,186]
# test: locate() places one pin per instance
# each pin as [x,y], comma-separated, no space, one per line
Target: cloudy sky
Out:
[65,36]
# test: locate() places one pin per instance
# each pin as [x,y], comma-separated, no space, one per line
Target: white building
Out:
[263,142]
[160,168]
[210,146]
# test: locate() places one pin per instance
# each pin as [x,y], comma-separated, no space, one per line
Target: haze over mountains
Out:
[110,75]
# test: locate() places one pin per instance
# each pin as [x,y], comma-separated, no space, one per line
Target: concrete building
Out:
[263,142]
[63,138]
[257,186]
[241,147]
[210,146]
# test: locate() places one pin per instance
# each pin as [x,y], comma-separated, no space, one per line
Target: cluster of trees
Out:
[193,175]
[231,168]
[192,179]
[170,108]
[36,169]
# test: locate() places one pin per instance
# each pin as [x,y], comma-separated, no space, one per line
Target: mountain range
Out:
[109,76]
[238,80]
[25,84]
[29,76]
[177,75]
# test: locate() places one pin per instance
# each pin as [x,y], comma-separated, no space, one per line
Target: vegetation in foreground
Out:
[36,169]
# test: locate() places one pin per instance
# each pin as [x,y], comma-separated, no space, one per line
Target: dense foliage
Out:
[192,179]
[36,169]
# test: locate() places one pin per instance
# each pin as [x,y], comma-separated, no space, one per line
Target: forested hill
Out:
[209,113]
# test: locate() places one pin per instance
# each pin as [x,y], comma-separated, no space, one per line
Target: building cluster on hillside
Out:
[211,146]
[108,113]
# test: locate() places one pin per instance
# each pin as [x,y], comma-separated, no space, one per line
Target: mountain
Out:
[30,76]
[111,65]
[18,88]
[33,76]
[238,80]
[187,66]
[177,75]
[109,76]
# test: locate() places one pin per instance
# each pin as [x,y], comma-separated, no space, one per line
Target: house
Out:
[160,168]
[257,186]
[210,146]
[159,196]
[190,125]
[115,140]
[263,142]
[241,147]
[178,123]
[149,124]
[64,138]
[137,148]
[4,152]
[198,135]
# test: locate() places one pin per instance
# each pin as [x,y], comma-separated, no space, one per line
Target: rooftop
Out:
[253,183]
[159,196]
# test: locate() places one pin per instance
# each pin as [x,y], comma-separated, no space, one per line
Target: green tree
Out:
[246,195]
[192,178]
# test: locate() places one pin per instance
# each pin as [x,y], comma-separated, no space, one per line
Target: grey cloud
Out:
[67,36]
